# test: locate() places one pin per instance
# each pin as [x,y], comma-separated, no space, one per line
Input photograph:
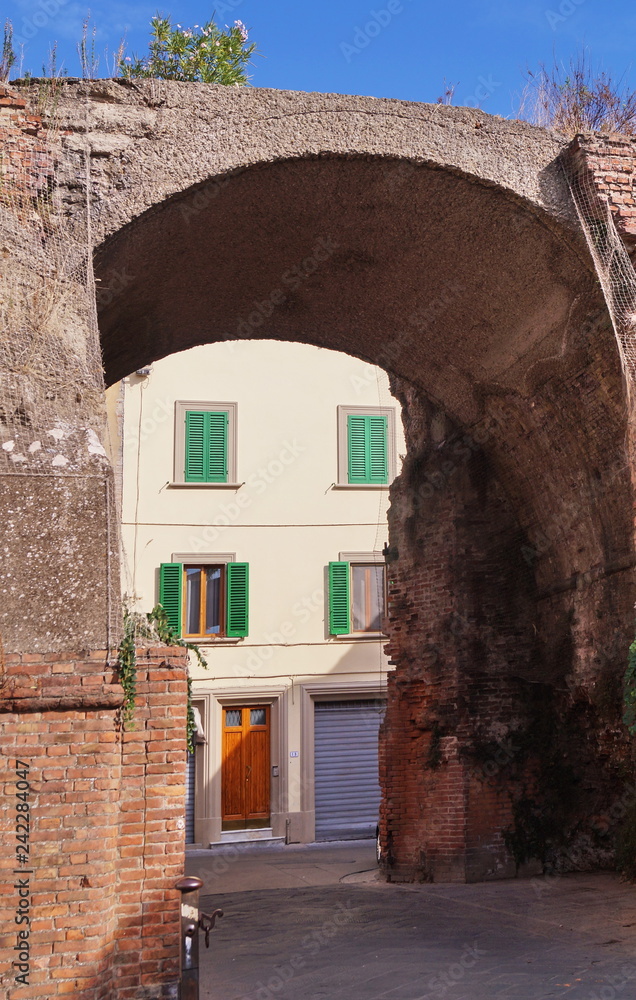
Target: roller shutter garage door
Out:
[346,768]
[189,817]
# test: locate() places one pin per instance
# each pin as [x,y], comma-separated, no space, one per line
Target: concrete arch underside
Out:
[442,245]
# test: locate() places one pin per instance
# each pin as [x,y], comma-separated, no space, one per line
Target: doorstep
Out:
[230,839]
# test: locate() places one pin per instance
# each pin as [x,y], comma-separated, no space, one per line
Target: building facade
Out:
[254,495]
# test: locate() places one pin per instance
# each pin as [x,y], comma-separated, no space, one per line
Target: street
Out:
[309,922]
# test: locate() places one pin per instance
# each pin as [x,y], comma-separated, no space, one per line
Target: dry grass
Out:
[448,94]
[576,98]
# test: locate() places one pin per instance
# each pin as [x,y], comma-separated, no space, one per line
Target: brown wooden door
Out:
[245,767]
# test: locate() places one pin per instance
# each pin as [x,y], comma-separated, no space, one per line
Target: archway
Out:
[440,244]
[510,527]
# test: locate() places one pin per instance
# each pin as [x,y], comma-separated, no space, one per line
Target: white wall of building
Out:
[287,519]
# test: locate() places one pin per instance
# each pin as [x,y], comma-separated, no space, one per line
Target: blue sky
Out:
[393,48]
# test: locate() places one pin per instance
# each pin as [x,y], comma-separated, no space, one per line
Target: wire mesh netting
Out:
[612,262]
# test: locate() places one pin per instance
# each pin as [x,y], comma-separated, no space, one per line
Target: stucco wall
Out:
[288,519]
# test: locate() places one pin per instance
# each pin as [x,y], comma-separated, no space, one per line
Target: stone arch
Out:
[441,244]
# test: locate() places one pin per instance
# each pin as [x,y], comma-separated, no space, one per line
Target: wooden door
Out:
[245,767]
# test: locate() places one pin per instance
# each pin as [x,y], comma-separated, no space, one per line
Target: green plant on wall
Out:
[202,54]
[127,664]
[629,691]
[153,625]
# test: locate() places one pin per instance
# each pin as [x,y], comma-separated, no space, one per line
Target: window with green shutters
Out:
[357,597]
[206,446]
[367,449]
[207,600]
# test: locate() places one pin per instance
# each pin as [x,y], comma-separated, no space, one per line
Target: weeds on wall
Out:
[204,53]
[576,97]
[571,98]
[152,626]
[7,59]
[629,691]
[89,60]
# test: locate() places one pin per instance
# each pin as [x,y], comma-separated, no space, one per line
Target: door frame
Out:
[310,694]
[202,775]
[276,702]
[245,728]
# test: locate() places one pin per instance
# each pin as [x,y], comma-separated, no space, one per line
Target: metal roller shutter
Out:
[346,768]
[189,816]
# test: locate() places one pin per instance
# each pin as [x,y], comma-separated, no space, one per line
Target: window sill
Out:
[205,486]
[358,637]
[221,641]
[360,486]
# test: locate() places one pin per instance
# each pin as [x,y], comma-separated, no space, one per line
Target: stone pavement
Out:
[305,923]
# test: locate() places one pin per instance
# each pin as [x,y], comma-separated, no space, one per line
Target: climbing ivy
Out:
[153,625]
[127,665]
[629,691]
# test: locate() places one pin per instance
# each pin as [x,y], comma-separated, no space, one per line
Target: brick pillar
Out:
[152,830]
[106,837]
[460,623]
[424,808]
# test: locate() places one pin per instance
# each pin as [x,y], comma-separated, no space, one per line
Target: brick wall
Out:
[451,641]
[511,593]
[107,825]
[609,163]
[26,164]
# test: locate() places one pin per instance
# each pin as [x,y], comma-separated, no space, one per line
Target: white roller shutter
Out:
[346,768]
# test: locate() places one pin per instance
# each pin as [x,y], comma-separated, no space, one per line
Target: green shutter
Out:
[217,447]
[378,458]
[339,603]
[356,437]
[195,441]
[237,599]
[170,590]
[206,446]
[367,448]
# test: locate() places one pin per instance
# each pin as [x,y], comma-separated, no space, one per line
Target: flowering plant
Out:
[202,54]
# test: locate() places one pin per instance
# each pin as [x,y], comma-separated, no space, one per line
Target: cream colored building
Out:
[255,488]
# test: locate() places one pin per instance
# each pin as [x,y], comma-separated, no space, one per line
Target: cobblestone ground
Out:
[348,937]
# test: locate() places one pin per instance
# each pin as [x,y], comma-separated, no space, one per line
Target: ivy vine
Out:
[153,625]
